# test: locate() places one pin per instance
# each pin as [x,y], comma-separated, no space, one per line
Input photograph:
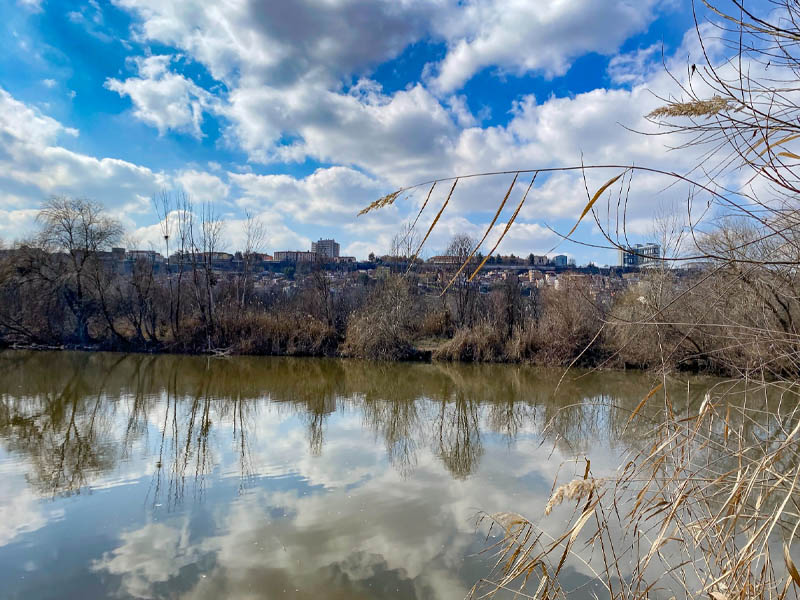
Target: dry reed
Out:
[709,508]
[693,108]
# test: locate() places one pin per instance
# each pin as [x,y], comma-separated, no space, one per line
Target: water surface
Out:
[137,476]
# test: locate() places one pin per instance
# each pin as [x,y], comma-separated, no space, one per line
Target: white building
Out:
[325,248]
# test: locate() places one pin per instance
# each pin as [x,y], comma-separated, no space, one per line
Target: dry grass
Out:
[386,200]
[285,333]
[435,323]
[708,509]
[694,108]
[381,330]
[574,490]
[480,343]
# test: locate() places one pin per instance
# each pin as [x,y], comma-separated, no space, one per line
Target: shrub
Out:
[568,325]
[435,323]
[381,329]
[285,333]
[524,344]
[480,343]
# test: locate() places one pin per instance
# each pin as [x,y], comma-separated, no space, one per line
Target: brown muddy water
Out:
[139,476]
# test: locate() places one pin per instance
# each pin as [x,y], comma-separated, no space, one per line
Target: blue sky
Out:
[303,112]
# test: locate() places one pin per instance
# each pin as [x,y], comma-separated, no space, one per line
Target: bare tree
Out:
[255,236]
[164,204]
[205,243]
[322,302]
[405,242]
[174,210]
[79,229]
[463,291]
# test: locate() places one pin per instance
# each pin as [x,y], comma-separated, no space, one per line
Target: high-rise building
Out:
[325,248]
[640,255]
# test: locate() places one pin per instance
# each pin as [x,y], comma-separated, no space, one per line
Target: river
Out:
[160,476]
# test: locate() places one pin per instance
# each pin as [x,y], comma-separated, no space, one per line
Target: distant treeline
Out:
[55,290]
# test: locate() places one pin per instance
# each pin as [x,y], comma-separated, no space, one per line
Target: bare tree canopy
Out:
[77,225]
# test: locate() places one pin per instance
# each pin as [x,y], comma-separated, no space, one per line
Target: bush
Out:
[480,343]
[568,325]
[285,333]
[524,344]
[435,323]
[381,329]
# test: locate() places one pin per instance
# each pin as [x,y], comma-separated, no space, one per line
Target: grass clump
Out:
[480,343]
[287,333]
[382,328]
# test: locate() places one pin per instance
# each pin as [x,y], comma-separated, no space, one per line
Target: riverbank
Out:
[396,318]
[463,349]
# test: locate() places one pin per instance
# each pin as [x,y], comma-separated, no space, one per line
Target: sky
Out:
[303,112]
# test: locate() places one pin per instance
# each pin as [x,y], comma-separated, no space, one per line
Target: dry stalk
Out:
[693,108]
[709,508]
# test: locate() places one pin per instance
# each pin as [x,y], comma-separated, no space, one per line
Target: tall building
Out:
[640,255]
[560,260]
[325,248]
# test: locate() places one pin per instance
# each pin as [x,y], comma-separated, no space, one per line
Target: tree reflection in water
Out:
[109,406]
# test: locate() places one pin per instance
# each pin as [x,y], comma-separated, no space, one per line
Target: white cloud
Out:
[147,556]
[401,138]
[285,67]
[278,235]
[404,132]
[287,102]
[326,196]
[521,36]
[288,73]
[463,116]
[20,121]
[31,5]
[15,223]
[164,99]
[409,136]
[21,511]
[635,67]
[522,239]
[202,187]
[278,43]
[33,166]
